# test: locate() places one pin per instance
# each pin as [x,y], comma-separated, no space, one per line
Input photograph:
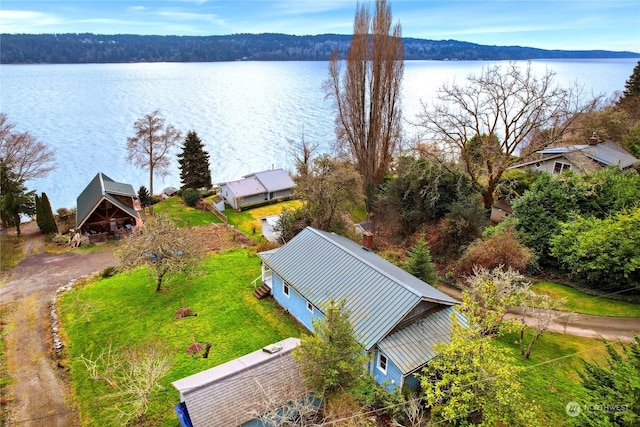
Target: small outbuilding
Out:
[268,222]
[241,391]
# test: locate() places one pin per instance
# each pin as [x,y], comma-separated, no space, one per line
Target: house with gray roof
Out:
[396,316]
[107,208]
[579,158]
[256,188]
[241,391]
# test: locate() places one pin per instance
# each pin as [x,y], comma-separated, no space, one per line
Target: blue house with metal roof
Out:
[396,316]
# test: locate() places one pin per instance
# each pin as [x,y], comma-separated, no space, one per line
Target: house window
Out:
[382,363]
[310,306]
[560,167]
[285,288]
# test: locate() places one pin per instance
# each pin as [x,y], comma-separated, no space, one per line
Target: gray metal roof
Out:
[235,392]
[411,348]
[322,266]
[246,187]
[275,180]
[102,186]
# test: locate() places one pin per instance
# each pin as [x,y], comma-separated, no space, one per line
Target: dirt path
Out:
[576,324]
[38,394]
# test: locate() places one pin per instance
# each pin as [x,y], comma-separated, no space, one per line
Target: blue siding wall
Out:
[295,303]
[393,377]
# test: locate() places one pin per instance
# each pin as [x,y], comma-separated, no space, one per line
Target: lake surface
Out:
[246,113]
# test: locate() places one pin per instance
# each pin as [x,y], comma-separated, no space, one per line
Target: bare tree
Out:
[164,248]
[133,374]
[537,313]
[327,188]
[302,152]
[367,98]
[149,147]
[25,156]
[485,123]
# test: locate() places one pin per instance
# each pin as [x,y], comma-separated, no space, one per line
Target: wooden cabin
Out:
[108,209]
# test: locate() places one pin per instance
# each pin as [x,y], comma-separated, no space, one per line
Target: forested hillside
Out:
[93,48]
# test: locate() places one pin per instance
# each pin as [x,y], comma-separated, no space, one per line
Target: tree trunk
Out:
[159,282]
[17,220]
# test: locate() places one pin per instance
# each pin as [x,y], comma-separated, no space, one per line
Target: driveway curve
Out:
[38,393]
[576,324]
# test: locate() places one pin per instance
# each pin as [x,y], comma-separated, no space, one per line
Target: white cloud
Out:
[20,21]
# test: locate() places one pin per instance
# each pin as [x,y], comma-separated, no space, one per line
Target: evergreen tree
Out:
[15,200]
[332,359]
[612,388]
[419,263]
[39,216]
[49,225]
[144,196]
[194,163]
[632,85]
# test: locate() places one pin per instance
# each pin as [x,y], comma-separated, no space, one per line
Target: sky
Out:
[546,24]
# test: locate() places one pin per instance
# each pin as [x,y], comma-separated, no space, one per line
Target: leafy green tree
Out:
[44,215]
[554,199]
[15,199]
[423,190]
[419,263]
[474,381]
[603,253]
[613,391]
[194,163]
[164,248]
[191,196]
[144,197]
[332,358]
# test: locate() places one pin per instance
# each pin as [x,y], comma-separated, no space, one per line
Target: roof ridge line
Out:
[394,279]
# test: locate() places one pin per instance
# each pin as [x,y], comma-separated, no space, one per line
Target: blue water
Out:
[246,113]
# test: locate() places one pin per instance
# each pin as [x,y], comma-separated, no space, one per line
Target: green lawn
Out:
[125,310]
[579,302]
[182,214]
[248,221]
[550,377]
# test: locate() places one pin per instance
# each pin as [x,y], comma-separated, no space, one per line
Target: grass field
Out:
[124,310]
[10,251]
[182,214]
[579,302]
[248,221]
[550,377]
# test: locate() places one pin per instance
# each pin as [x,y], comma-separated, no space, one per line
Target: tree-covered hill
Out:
[95,48]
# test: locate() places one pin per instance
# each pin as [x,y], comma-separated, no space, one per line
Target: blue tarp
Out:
[183,414]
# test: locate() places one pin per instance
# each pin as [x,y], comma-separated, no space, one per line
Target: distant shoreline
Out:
[88,48]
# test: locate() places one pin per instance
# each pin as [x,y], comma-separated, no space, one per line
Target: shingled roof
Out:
[323,266]
[243,389]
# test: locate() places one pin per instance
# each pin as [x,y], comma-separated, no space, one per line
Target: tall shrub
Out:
[48,222]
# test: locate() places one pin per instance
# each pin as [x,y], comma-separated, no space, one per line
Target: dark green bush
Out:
[191,196]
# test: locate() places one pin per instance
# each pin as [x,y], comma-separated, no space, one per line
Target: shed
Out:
[243,389]
[268,222]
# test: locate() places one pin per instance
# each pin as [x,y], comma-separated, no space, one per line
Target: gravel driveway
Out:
[38,392]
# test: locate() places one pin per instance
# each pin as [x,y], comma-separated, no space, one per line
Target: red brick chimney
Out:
[367,240]
[593,140]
